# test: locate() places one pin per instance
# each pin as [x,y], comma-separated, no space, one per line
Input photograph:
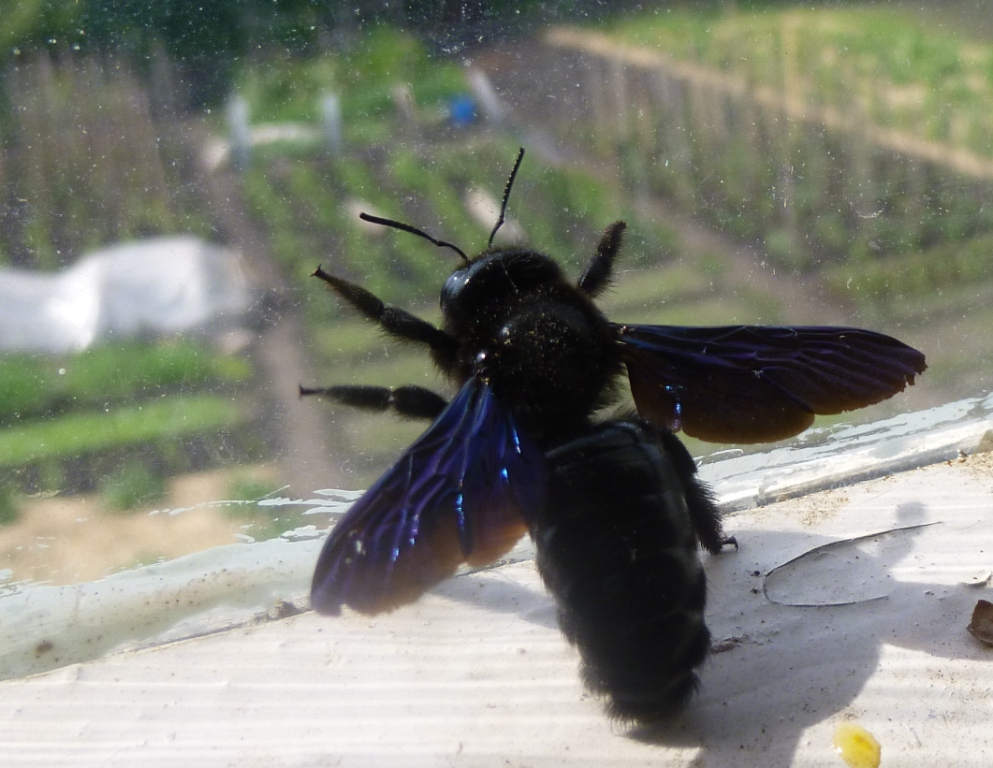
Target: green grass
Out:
[912,75]
[654,288]
[132,486]
[9,507]
[246,488]
[921,275]
[32,386]
[79,433]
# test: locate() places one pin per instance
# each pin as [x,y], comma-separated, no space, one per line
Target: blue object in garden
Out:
[462,110]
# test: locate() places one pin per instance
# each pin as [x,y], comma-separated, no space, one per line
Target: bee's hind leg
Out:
[410,401]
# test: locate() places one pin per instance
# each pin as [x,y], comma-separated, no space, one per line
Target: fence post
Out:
[239,132]
[331,123]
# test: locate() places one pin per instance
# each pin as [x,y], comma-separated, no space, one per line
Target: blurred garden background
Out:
[777,163]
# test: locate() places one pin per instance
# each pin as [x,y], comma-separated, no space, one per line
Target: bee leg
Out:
[396,322]
[706,517]
[411,401]
[599,272]
[704,514]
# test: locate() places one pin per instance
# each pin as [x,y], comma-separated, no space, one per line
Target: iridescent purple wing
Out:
[749,384]
[460,494]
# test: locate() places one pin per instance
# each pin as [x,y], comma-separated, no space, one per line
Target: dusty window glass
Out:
[172,174]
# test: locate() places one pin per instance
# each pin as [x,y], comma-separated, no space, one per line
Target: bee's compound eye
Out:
[453,287]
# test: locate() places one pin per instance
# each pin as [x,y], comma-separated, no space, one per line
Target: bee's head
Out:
[497,276]
[502,276]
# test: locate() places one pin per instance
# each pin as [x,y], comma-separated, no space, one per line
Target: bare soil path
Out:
[302,435]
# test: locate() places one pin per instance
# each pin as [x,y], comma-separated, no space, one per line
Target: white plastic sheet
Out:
[159,286]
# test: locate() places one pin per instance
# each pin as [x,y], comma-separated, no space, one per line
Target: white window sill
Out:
[476,673]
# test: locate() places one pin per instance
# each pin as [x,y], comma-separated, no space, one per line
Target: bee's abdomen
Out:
[617,549]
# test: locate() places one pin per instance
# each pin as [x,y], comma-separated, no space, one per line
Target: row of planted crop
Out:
[309,208]
[816,193]
[60,414]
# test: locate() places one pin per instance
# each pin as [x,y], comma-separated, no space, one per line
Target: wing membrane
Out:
[460,493]
[749,384]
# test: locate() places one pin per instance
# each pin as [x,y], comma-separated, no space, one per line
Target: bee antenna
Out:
[414,231]
[506,196]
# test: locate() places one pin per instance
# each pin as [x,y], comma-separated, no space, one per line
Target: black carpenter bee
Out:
[614,506]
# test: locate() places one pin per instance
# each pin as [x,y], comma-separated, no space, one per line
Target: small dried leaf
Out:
[981,625]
